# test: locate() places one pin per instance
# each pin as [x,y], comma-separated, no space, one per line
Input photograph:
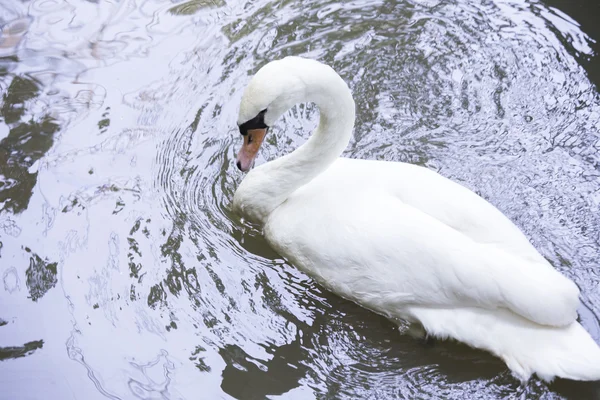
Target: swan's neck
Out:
[266,187]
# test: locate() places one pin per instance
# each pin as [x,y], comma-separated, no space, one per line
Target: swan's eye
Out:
[257,122]
[249,138]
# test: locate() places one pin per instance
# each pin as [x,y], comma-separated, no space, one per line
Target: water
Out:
[125,273]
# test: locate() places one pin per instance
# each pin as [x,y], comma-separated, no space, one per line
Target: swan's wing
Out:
[444,200]
[374,248]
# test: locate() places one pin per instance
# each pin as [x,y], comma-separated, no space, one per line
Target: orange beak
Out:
[252,141]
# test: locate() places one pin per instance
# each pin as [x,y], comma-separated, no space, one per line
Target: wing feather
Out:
[377,250]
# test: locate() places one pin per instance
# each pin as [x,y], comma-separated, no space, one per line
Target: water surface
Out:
[126,275]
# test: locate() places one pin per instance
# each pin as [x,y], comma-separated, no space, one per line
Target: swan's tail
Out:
[527,348]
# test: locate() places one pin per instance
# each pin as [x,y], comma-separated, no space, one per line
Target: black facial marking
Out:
[257,122]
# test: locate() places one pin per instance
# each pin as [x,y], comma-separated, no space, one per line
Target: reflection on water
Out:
[29,138]
[41,276]
[20,351]
[124,271]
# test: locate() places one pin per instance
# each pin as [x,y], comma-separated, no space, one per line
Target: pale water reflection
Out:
[125,273]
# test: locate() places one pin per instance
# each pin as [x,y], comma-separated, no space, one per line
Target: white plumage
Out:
[404,241]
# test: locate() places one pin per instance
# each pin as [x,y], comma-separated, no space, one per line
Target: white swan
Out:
[402,240]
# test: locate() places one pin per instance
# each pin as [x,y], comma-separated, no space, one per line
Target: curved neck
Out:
[266,187]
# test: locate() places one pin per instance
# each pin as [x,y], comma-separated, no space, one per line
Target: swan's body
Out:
[404,241]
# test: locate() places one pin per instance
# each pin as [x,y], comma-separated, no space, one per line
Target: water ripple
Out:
[122,214]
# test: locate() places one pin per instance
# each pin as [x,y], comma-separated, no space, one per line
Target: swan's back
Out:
[446,201]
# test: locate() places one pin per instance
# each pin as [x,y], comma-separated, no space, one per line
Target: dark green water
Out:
[125,273]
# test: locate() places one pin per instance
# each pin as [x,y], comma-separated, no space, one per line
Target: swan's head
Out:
[274,89]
